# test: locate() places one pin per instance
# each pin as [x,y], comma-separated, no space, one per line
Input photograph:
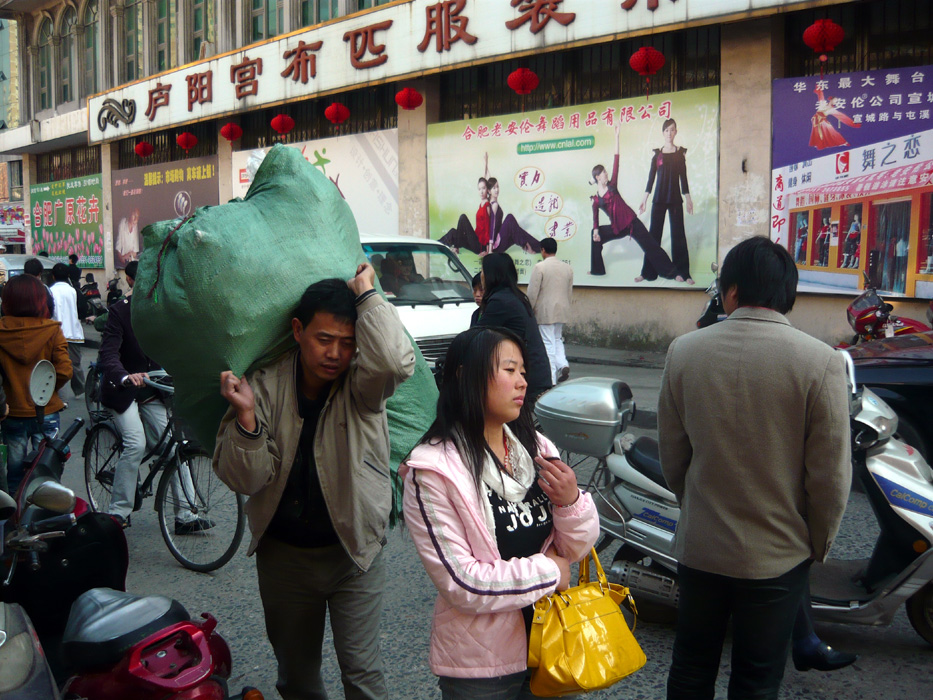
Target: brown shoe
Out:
[563,375]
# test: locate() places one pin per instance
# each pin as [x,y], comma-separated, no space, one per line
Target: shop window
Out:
[581,76]
[202,24]
[266,19]
[850,237]
[821,237]
[925,243]
[133,40]
[888,245]
[315,11]
[44,65]
[799,235]
[16,180]
[367,4]
[68,56]
[67,163]
[91,28]
[165,34]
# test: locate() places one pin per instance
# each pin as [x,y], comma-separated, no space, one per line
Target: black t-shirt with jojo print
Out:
[522,528]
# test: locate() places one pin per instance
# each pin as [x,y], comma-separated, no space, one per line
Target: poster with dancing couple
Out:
[852,179]
[628,188]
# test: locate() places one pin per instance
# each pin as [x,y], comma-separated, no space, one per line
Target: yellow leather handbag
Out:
[580,640]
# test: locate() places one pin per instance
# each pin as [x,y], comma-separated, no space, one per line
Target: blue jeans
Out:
[17,433]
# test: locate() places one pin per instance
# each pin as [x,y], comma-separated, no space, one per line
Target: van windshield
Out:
[413,274]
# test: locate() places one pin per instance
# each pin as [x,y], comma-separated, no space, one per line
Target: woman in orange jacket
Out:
[27,335]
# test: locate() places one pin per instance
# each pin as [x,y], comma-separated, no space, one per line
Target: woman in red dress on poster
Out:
[464,235]
[823,134]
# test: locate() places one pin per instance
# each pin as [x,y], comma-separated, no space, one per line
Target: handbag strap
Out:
[584,576]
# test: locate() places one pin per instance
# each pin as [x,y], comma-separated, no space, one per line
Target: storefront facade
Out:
[729,74]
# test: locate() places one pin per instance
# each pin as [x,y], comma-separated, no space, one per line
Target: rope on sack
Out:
[159,259]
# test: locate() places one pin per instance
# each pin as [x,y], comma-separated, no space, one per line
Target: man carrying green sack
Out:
[307,440]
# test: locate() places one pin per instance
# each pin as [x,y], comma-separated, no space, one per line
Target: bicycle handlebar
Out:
[157,374]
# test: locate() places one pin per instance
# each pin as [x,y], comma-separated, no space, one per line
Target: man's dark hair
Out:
[33,267]
[331,296]
[478,280]
[549,246]
[60,272]
[763,272]
[43,253]
[131,267]
[73,258]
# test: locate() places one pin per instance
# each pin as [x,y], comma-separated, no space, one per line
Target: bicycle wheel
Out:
[102,449]
[92,390]
[213,538]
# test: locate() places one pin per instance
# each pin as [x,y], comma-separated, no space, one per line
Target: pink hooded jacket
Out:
[478,630]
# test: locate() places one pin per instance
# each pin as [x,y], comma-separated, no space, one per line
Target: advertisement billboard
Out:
[67,219]
[363,167]
[144,195]
[852,179]
[628,188]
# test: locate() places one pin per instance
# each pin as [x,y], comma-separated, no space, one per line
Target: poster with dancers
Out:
[628,188]
[852,179]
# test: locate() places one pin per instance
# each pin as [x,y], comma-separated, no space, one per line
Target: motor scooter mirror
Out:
[51,495]
[42,386]
[7,506]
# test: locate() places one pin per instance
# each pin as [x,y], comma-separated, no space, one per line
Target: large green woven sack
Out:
[218,291]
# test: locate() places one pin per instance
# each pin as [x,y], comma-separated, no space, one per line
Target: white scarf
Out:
[510,488]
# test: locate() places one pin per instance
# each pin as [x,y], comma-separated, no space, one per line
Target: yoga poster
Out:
[628,188]
[852,183]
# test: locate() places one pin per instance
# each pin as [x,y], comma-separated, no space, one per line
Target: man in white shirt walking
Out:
[550,292]
[66,313]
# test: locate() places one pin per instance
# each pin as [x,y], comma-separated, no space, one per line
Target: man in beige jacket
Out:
[754,439]
[307,440]
[550,292]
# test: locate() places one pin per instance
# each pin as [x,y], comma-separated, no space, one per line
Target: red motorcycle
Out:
[61,615]
[871,318]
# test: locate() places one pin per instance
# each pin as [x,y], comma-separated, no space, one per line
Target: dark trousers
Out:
[463,236]
[510,233]
[763,613]
[679,253]
[299,588]
[653,252]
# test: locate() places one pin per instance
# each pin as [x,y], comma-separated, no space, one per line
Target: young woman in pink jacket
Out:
[496,517]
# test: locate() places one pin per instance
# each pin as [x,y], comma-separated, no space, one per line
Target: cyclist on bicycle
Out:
[139,413]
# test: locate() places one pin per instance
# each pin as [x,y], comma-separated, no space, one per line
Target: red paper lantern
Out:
[231,131]
[822,36]
[337,113]
[144,149]
[647,61]
[282,123]
[523,81]
[186,141]
[408,98]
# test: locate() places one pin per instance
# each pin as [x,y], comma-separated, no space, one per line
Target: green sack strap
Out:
[161,252]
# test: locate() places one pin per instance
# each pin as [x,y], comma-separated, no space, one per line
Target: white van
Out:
[429,286]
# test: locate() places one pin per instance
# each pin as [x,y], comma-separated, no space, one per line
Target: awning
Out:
[12,235]
[900,179]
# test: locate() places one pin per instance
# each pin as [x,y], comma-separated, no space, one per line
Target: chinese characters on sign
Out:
[66,220]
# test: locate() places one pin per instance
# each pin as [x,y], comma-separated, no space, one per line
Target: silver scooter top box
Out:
[584,415]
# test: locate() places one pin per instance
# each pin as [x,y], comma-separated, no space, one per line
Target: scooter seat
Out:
[104,624]
[645,458]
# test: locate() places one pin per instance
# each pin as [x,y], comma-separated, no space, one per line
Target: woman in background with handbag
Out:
[493,536]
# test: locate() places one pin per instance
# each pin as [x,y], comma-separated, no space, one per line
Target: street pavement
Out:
[895,663]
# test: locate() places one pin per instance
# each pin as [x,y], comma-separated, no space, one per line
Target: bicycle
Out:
[196,488]
[92,388]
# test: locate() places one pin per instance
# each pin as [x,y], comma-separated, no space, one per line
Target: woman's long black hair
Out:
[499,273]
[468,368]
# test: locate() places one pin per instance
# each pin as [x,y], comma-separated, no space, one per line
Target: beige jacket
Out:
[351,443]
[550,291]
[754,437]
